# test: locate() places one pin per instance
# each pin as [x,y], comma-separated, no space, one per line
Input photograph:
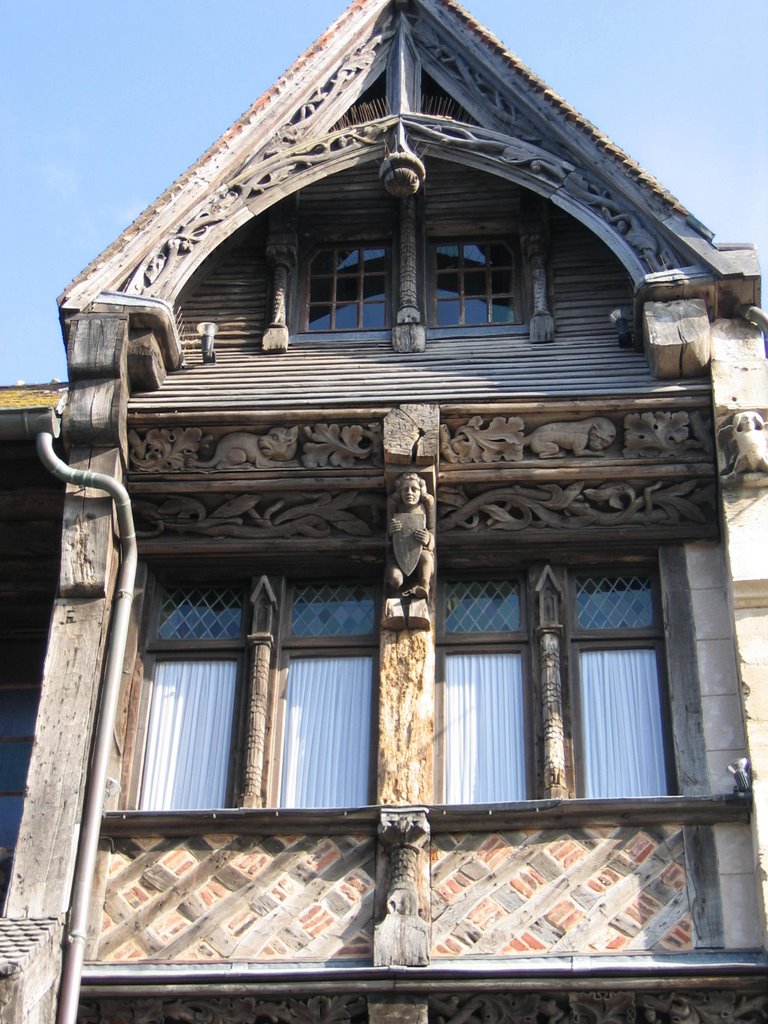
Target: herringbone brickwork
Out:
[248,897]
[584,890]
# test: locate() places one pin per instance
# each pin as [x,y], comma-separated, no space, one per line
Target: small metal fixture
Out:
[742,775]
[620,320]
[207,331]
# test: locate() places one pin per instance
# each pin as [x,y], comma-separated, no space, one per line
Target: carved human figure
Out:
[411,526]
[581,437]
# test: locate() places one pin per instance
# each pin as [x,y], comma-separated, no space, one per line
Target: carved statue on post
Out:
[402,935]
[411,564]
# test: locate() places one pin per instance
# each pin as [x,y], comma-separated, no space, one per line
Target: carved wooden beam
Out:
[260,642]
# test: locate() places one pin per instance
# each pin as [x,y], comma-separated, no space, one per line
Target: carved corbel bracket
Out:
[402,935]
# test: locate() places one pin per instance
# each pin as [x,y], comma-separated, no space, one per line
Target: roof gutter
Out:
[43,425]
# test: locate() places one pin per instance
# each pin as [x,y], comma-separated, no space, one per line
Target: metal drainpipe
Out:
[85,865]
[756,316]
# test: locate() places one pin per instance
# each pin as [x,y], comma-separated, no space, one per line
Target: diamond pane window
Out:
[475,284]
[348,289]
[333,610]
[482,606]
[201,614]
[623,602]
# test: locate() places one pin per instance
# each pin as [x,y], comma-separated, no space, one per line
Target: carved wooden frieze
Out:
[310,514]
[708,1005]
[545,506]
[661,435]
[310,446]
[608,1006]
[339,1009]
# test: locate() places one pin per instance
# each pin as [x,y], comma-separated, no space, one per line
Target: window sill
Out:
[542,814]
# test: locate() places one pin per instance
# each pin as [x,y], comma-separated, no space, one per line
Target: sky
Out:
[104,104]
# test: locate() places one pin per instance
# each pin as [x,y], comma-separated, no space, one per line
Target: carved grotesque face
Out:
[601,435]
[279,443]
[410,491]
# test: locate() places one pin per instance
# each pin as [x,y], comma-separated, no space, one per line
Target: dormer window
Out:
[474,284]
[348,288]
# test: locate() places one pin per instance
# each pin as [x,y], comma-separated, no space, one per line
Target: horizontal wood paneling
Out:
[367,373]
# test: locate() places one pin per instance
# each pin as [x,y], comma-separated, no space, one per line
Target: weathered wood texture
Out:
[239,898]
[87,547]
[397,1010]
[42,869]
[97,347]
[677,338]
[402,905]
[683,673]
[231,289]
[30,960]
[406,717]
[411,435]
[704,886]
[594,891]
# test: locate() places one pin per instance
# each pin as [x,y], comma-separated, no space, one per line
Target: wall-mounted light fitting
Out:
[207,331]
[742,775]
[620,318]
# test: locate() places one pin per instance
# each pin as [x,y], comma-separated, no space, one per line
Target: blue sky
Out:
[104,104]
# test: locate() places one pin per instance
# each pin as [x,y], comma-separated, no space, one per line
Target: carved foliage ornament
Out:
[313,446]
[253,516]
[710,1006]
[673,435]
[245,1010]
[550,506]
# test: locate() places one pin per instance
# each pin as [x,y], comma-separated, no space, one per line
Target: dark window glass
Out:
[474,284]
[343,284]
[333,610]
[201,614]
[624,602]
[482,606]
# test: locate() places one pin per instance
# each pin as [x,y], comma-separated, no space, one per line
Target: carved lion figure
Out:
[582,437]
[252,451]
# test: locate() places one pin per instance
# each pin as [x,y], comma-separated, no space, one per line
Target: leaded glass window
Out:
[482,606]
[348,289]
[614,602]
[474,284]
[332,610]
[201,614]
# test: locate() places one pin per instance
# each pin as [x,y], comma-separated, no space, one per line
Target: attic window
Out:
[474,284]
[348,289]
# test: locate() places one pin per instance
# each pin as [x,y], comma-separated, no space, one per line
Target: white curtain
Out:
[327,733]
[190,727]
[621,724]
[484,728]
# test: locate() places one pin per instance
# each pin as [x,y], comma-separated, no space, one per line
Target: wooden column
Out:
[282,251]
[542,325]
[549,632]
[260,643]
[407,655]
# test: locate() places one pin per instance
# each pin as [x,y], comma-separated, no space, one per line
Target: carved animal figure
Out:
[252,451]
[582,437]
[751,437]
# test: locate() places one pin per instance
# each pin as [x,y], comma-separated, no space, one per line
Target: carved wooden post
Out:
[281,255]
[402,935]
[281,252]
[534,250]
[260,645]
[549,633]
[407,652]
